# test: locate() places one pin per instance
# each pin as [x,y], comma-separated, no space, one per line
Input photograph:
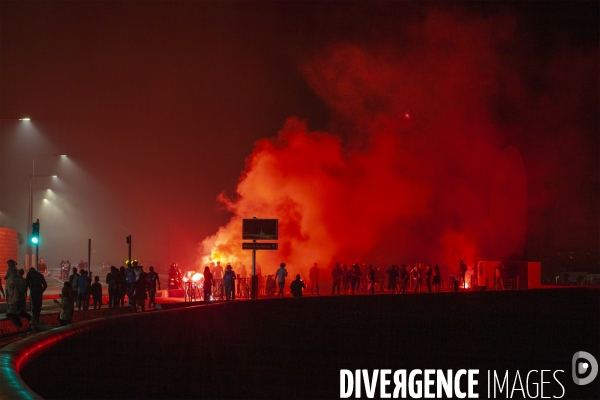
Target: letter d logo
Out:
[581,368]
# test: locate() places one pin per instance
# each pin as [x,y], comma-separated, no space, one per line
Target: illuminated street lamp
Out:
[29,255]
[34,239]
[16,119]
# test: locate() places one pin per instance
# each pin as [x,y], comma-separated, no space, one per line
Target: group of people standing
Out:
[134,282]
[65,268]
[81,288]
[399,280]
[352,280]
[216,278]
[131,281]
[17,285]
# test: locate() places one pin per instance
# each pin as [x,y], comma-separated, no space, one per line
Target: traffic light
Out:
[35,232]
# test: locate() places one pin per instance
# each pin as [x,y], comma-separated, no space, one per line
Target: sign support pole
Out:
[254,290]
[258,229]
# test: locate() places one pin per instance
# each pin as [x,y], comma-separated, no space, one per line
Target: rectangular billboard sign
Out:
[259,246]
[260,229]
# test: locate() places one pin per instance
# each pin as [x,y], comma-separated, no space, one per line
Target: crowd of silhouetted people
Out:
[393,279]
[17,285]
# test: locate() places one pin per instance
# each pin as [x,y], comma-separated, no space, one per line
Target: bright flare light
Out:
[25,119]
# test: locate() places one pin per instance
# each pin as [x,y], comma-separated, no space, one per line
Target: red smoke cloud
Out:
[425,174]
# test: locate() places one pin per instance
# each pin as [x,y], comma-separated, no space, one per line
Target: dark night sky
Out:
[159,104]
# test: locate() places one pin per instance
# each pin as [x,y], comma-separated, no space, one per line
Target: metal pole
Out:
[129,242]
[29,255]
[37,251]
[90,257]
[254,283]
[28,238]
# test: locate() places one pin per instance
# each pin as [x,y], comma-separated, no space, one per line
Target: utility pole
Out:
[129,243]
[35,239]
[90,257]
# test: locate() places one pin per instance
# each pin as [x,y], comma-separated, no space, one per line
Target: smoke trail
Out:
[424,175]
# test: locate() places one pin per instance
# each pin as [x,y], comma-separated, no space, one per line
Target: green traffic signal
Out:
[35,232]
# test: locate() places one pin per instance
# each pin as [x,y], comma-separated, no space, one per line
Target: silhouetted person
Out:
[208,284]
[88,290]
[392,278]
[228,283]
[139,294]
[20,285]
[37,285]
[73,281]
[296,286]
[437,278]
[82,283]
[314,279]
[233,283]
[428,275]
[345,278]
[417,276]
[462,267]
[66,305]
[10,274]
[112,281]
[403,279]
[153,281]
[371,280]
[218,273]
[355,278]
[42,267]
[96,290]
[137,269]
[336,275]
[498,281]
[64,270]
[380,275]
[281,274]
[242,283]
[131,278]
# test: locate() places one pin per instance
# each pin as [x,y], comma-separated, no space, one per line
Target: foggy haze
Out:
[375,132]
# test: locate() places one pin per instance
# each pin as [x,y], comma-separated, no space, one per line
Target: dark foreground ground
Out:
[295,348]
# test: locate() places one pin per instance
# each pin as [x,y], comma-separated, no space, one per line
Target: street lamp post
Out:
[29,255]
